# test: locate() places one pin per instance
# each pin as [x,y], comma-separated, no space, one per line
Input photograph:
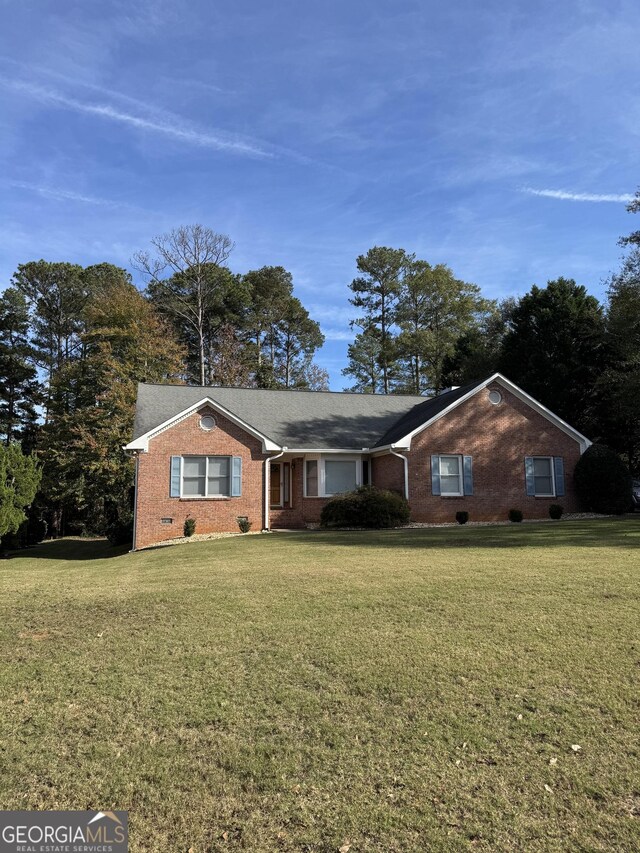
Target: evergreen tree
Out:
[476,354]
[56,294]
[19,388]
[270,294]
[376,294]
[555,350]
[364,362]
[434,311]
[19,480]
[633,207]
[619,385]
[297,338]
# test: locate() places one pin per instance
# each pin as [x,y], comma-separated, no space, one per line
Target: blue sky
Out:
[499,138]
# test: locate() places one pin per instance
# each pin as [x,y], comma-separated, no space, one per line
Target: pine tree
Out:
[364,363]
[376,294]
[19,388]
[434,311]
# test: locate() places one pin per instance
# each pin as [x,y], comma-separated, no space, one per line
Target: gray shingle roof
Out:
[423,412]
[299,419]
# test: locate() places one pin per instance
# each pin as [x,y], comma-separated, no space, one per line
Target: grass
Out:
[415,690]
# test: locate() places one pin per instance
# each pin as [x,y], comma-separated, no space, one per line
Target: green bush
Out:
[189,527]
[367,506]
[555,511]
[120,532]
[244,524]
[462,516]
[515,515]
[602,481]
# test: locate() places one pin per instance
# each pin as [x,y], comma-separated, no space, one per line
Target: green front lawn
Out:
[414,690]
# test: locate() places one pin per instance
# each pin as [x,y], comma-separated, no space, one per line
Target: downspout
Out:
[267,478]
[406,470]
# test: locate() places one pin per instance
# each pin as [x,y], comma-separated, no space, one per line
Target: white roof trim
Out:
[142,442]
[352,450]
[582,440]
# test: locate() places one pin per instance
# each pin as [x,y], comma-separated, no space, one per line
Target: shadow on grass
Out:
[72,549]
[622,532]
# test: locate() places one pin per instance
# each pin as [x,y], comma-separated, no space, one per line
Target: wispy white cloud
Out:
[167,124]
[66,195]
[563,195]
[338,335]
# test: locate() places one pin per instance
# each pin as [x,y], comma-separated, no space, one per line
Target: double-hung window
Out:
[451,476]
[206,476]
[543,476]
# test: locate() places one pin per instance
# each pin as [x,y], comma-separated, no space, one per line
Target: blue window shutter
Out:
[468,475]
[528,470]
[558,471]
[236,476]
[176,463]
[435,475]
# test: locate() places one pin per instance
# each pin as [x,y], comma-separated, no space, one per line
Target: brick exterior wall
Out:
[212,514]
[387,472]
[498,438]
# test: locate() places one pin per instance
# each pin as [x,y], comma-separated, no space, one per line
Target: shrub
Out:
[602,481]
[367,506]
[515,515]
[120,532]
[555,511]
[462,516]
[244,524]
[189,527]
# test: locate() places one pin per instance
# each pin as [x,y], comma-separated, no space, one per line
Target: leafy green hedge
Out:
[365,507]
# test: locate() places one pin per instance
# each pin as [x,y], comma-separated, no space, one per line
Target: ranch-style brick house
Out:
[276,457]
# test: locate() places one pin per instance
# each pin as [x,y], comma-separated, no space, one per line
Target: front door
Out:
[275,478]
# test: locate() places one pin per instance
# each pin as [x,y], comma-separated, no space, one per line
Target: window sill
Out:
[208,498]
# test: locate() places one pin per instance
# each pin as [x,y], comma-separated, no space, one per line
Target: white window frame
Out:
[552,493]
[321,458]
[460,492]
[206,497]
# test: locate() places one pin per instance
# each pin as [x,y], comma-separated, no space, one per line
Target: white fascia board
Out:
[301,451]
[387,448]
[582,440]
[142,442]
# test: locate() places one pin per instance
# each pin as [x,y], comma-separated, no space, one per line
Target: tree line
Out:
[75,341]
[420,329]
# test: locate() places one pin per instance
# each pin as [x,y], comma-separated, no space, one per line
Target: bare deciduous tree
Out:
[182,275]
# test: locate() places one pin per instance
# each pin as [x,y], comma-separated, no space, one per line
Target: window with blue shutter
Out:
[174,481]
[468,475]
[558,472]
[435,475]
[236,478]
